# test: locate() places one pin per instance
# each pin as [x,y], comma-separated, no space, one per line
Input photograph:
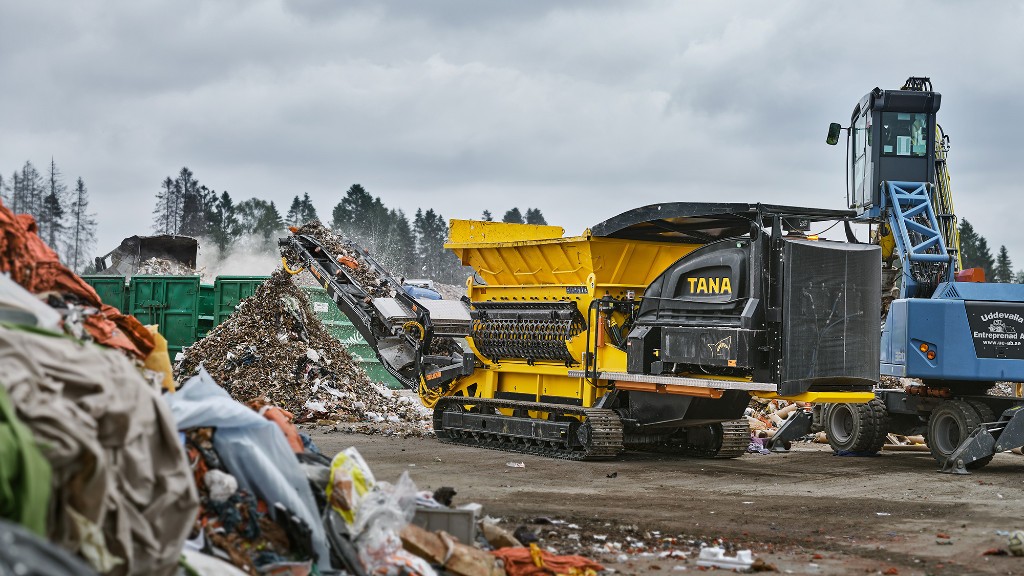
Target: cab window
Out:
[860,160]
[904,134]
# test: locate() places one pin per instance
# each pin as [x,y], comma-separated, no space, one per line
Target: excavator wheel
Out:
[950,424]
[856,427]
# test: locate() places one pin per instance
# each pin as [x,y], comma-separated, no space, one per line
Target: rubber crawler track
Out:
[735,439]
[604,429]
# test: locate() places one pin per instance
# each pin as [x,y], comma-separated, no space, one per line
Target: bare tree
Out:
[82,228]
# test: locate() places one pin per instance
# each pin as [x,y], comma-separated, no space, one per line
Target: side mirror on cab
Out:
[833,133]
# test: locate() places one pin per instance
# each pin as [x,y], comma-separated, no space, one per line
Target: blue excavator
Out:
[949,334]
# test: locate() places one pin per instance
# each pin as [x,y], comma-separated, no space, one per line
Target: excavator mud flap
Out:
[986,440]
[797,425]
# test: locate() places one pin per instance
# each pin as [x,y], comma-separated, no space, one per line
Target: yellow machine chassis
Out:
[527,263]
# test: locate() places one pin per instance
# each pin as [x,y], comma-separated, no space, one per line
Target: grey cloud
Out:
[583,109]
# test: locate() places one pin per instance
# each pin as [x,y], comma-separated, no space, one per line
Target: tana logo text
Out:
[710,285]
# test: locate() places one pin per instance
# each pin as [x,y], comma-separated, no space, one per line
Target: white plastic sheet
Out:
[252,448]
[12,295]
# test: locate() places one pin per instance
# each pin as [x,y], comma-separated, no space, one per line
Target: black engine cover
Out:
[800,313]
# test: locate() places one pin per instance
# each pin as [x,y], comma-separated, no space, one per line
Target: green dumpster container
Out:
[113,290]
[205,310]
[228,291]
[170,302]
[341,328]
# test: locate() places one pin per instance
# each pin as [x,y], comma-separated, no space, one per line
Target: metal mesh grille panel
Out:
[831,311]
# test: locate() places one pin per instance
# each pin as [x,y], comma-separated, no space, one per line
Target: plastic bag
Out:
[387,506]
[351,478]
[381,515]
[220,484]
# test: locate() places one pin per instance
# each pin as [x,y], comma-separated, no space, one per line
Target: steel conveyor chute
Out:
[417,341]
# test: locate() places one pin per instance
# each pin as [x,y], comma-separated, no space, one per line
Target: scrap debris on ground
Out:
[275,349]
[765,417]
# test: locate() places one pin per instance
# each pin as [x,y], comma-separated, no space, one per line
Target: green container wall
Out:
[113,290]
[170,302]
[205,310]
[228,291]
[341,328]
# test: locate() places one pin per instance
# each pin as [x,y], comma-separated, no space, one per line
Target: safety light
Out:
[924,347]
[931,355]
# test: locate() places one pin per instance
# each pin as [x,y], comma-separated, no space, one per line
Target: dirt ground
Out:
[806,511]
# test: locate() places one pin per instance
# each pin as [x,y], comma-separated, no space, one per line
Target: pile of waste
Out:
[328,513]
[368,279]
[257,510]
[89,458]
[765,417]
[164,267]
[273,348]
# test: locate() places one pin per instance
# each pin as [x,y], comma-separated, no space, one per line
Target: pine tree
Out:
[52,221]
[486,216]
[260,218]
[224,226]
[513,216]
[362,217]
[403,259]
[1004,268]
[431,231]
[164,217]
[5,190]
[271,224]
[14,195]
[533,216]
[349,215]
[52,212]
[307,212]
[986,261]
[294,215]
[197,205]
[81,229]
[974,251]
[27,196]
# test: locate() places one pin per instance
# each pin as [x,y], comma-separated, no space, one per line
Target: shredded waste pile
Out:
[275,349]
[450,291]
[164,267]
[368,279]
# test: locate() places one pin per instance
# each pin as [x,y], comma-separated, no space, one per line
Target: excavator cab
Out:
[890,138]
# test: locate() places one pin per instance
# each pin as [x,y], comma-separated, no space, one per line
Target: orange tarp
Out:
[35,266]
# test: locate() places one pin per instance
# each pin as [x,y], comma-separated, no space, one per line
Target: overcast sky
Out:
[581,109]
